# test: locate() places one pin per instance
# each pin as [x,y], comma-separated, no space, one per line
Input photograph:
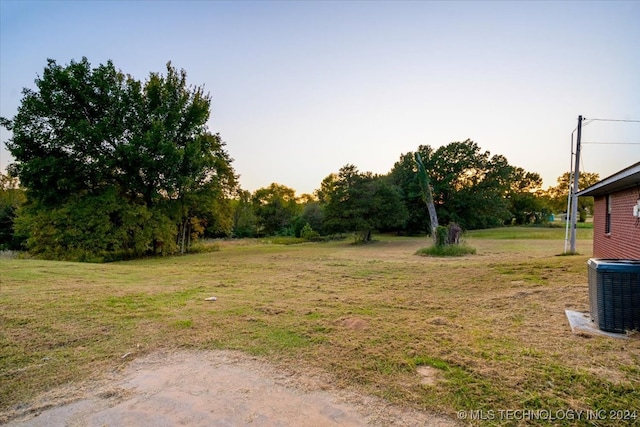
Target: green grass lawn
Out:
[492,324]
[584,231]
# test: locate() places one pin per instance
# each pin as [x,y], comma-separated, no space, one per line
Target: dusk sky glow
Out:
[300,89]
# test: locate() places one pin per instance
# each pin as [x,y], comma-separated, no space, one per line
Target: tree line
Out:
[110,167]
[470,187]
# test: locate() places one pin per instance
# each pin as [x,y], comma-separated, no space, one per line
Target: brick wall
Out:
[624,239]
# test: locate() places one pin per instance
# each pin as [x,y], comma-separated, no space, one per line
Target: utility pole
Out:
[574,189]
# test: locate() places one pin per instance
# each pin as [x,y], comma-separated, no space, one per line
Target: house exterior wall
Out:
[623,242]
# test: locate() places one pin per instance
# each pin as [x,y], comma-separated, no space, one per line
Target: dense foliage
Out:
[115,167]
[557,196]
[361,203]
[11,198]
[109,167]
[470,187]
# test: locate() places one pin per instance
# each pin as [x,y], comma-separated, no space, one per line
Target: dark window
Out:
[607,221]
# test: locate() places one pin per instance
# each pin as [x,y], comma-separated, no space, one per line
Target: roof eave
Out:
[626,178]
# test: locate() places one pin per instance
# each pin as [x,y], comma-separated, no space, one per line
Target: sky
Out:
[301,88]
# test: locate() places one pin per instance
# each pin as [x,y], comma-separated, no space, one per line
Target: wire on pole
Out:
[616,120]
[610,143]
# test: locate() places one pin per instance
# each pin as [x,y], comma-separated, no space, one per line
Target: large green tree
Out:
[275,208]
[313,215]
[136,158]
[245,222]
[404,175]
[360,203]
[470,187]
[527,203]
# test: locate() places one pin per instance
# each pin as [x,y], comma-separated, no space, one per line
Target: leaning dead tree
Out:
[427,195]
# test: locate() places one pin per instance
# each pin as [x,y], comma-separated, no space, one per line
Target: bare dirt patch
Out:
[428,375]
[213,388]
[354,323]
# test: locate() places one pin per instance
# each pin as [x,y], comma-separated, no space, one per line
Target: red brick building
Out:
[616,215]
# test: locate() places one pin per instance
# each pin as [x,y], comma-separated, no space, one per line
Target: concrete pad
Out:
[219,389]
[582,323]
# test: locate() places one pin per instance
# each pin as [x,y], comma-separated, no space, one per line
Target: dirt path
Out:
[214,388]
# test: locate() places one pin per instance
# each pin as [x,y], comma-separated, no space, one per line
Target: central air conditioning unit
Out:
[614,294]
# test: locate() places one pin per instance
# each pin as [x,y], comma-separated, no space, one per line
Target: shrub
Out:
[447,250]
[442,236]
[308,233]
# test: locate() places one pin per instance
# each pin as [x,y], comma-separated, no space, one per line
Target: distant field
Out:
[491,325]
[584,231]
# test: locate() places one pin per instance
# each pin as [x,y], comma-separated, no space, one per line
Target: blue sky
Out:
[300,89]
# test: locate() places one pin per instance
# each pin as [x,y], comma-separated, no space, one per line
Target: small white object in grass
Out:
[211,299]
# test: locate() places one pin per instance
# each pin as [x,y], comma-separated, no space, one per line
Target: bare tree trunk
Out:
[189,237]
[184,232]
[427,195]
[433,216]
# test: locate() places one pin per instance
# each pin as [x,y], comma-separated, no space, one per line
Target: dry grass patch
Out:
[489,328]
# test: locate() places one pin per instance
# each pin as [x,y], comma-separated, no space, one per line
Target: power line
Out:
[572,199]
[611,143]
[615,120]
